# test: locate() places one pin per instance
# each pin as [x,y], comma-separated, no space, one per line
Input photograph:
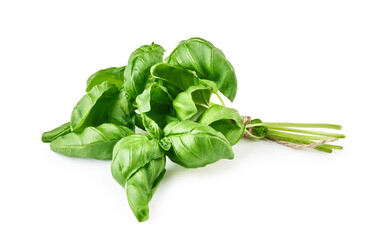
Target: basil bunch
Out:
[169,99]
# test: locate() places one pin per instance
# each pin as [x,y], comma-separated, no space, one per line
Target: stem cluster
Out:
[294,134]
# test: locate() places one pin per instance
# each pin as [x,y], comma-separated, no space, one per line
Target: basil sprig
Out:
[171,100]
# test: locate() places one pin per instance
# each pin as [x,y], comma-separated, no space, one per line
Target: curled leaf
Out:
[137,72]
[176,79]
[55,133]
[208,62]
[131,153]
[155,102]
[142,185]
[91,110]
[152,48]
[225,120]
[189,105]
[113,75]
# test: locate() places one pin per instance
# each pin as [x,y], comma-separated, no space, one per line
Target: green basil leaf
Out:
[178,80]
[137,72]
[145,48]
[171,118]
[165,144]
[176,76]
[155,102]
[113,75]
[208,62]
[138,121]
[225,120]
[91,110]
[142,185]
[209,84]
[121,111]
[131,153]
[196,145]
[55,133]
[152,127]
[259,131]
[92,142]
[189,105]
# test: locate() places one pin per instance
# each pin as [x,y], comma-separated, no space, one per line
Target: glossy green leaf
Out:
[91,110]
[92,142]
[55,133]
[137,72]
[144,49]
[208,62]
[113,75]
[152,127]
[189,105]
[155,102]
[225,120]
[121,111]
[174,77]
[178,79]
[142,185]
[131,153]
[196,145]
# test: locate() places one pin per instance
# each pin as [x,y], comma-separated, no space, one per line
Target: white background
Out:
[298,61]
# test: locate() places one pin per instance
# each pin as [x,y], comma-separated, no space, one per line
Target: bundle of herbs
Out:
[169,99]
